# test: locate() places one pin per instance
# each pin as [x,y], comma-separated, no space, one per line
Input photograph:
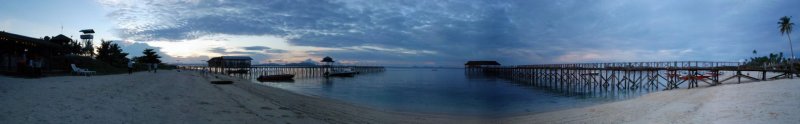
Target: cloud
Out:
[256,48]
[264,49]
[136,48]
[454,31]
[259,56]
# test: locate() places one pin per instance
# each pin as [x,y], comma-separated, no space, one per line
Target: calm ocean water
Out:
[446,91]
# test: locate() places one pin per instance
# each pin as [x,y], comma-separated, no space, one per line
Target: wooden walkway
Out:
[632,75]
[299,71]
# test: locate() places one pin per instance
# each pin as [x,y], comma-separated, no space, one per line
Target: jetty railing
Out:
[299,71]
[632,75]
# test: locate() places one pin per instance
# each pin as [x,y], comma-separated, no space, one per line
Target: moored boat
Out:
[341,72]
[277,77]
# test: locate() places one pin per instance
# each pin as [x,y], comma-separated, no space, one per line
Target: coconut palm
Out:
[785,25]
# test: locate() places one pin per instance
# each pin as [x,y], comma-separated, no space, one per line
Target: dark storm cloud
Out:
[453,31]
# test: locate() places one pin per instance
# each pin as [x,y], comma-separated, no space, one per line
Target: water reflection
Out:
[448,91]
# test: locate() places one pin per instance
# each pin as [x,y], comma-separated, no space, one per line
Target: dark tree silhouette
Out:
[771,59]
[150,56]
[111,53]
[70,46]
[785,26]
[88,49]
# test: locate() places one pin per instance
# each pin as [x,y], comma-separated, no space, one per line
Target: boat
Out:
[341,72]
[277,77]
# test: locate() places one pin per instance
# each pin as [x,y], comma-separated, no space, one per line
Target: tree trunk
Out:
[790,45]
[792,60]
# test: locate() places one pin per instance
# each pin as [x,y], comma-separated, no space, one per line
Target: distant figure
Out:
[155,68]
[130,67]
[37,67]
[32,69]
[149,67]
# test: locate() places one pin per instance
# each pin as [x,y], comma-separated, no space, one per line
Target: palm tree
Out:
[785,25]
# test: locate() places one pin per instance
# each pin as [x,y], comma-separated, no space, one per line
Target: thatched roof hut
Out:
[327,59]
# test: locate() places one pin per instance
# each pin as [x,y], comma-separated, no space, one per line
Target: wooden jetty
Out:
[633,75]
[299,71]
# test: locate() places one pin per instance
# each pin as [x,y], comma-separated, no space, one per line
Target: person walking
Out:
[130,67]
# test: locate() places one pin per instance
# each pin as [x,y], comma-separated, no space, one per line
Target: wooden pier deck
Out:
[632,75]
[299,71]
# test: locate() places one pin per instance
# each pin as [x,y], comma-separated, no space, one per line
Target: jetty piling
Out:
[630,75]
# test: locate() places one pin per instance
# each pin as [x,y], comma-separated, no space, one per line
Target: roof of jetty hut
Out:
[327,59]
[482,63]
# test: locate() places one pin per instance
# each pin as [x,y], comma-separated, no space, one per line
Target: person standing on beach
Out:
[130,67]
[155,68]
[38,66]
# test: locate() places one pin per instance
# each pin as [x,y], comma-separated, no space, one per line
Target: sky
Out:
[418,32]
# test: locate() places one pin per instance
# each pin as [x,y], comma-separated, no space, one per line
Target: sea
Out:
[449,91]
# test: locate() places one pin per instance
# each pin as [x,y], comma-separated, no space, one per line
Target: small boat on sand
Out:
[277,77]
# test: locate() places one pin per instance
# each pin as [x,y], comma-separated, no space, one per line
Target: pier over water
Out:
[633,75]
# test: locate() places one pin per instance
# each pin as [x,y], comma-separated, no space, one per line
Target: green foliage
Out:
[150,56]
[771,59]
[88,49]
[785,25]
[73,48]
[112,54]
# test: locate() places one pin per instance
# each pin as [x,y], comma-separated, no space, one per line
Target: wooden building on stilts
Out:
[230,64]
[477,66]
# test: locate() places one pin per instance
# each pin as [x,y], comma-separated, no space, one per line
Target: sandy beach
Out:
[769,102]
[177,97]
[187,97]
[164,97]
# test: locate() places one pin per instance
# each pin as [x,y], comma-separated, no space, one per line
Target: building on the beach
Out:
[230,62]
[16,50]
[478,64]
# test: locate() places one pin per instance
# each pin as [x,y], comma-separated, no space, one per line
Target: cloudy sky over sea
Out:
[418,32]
